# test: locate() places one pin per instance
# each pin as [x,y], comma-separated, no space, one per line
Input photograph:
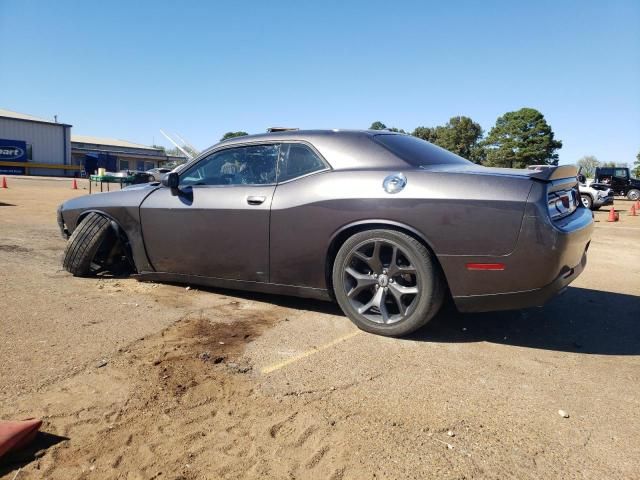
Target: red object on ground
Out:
[4,182]
[637,204]
[74,186]
[613,216]
[15,435]
[632,211]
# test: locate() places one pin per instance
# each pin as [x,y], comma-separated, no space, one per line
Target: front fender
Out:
[122,208]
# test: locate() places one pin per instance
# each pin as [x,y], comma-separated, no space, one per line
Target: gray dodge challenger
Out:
[385,224]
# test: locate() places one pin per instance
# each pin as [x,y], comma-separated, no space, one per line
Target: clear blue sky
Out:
[125,69]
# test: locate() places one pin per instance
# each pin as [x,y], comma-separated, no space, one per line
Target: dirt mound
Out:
[182,405]
[184,385]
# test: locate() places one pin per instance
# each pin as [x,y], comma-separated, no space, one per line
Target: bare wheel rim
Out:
[380,282]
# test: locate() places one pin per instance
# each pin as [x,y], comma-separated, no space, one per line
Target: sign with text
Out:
[12,151]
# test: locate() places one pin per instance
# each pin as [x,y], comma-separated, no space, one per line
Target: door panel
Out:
[214,231]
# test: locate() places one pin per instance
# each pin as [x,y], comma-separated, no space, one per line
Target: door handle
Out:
[256,200]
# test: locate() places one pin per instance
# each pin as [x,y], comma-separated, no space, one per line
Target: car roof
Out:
[343,149]
[305,135]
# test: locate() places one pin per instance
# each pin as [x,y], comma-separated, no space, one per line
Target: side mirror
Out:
[170,180]
[582,178]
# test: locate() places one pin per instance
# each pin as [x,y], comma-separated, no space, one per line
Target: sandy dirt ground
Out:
[148,381]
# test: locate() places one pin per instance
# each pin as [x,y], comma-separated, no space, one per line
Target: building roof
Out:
[110,142]
[28,118]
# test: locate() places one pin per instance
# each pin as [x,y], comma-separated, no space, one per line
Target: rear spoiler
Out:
[549,174]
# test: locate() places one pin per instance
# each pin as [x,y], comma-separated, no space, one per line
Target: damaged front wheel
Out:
[94,248]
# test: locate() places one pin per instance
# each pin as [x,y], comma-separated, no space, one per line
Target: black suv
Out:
[620,181]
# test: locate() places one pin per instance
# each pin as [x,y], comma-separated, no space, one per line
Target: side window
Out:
[254,165]
[620,173]
[296,159]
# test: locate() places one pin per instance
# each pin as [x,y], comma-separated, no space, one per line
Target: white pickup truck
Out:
[593,195]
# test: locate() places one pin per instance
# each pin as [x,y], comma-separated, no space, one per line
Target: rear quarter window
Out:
[417,152]
[297,160]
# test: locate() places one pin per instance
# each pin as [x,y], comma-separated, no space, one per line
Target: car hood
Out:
[142,186]
[127,197]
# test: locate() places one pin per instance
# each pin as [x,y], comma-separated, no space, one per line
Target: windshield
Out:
[417,152]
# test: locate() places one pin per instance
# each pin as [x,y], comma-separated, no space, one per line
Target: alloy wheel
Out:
[380,282]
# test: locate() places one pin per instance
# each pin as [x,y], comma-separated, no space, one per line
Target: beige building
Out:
[114,155]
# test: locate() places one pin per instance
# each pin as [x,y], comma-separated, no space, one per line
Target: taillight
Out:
[562,203]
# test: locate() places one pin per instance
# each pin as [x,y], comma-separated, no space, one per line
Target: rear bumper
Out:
[516,300]
[548,257]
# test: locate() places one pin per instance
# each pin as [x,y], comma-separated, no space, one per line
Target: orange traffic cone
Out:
[15,435]
[4,182]
[74,186]
[613,216]
[637,204]
[632,210]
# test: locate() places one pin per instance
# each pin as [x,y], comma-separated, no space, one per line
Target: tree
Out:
[425,133]
[233,135]
[588,165]
[614,165]
[382,126]
[636,166]
[521,138]
[460,135]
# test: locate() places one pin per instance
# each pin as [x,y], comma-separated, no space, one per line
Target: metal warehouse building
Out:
[34,146]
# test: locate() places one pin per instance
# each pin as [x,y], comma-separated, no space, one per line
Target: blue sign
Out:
[12,151]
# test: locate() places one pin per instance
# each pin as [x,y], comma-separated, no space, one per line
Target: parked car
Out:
[137,176]
[386,224]
[620,181]
[157,173]
[594,195]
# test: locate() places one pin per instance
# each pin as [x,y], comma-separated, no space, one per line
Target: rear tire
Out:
[633,194]
[84,244]
[387,282]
